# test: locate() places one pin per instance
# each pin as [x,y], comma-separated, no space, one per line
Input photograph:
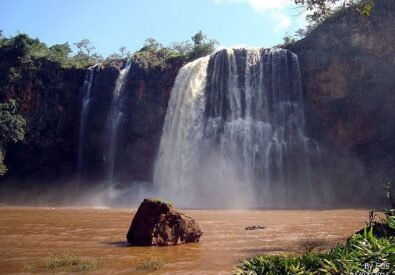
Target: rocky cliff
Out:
[48,97]
[347,66]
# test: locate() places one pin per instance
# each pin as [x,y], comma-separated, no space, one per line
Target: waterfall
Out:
[86,97]
[114,119]
[234,132]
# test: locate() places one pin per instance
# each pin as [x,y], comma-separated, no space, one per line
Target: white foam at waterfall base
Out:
[234,132]
[113,196]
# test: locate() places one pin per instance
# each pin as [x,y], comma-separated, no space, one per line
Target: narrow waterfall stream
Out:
[86,97]
[113,120]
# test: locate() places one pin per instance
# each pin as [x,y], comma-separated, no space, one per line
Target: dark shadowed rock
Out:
[157,223]
[349,98]
[254,227]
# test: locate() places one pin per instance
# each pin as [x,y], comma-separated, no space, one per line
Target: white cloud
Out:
[283,21]
[273,7]
[259,5]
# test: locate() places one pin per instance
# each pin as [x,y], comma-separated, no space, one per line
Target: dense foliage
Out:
[154,53]
[370,251]
[26,48]
[23,49]
[11,129]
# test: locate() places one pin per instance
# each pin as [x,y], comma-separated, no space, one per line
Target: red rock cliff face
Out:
[348,66]
[143,102]
[48,97]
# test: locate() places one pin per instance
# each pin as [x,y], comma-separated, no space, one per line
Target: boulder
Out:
[157,223]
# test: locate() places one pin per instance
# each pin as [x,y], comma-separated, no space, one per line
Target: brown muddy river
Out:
[28,235]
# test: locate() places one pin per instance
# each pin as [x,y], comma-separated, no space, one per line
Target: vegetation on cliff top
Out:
[318,10]
[154,53]
[21,49]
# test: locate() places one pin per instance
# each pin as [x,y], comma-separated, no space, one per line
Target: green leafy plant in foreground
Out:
[362,253]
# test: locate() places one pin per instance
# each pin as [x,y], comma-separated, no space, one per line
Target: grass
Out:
[363,253]
[149,264]
[63,260]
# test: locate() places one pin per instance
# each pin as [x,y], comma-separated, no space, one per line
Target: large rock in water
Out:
[157,223]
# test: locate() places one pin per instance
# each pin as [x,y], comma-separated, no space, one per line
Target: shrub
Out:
[363,253]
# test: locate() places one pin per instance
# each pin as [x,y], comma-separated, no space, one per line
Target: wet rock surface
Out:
[157,223]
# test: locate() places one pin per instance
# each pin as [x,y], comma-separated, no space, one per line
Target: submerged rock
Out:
[157,223]
[254,227]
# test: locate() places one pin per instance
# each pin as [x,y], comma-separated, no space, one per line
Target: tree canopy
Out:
[11,129]
[199,46]
[24,48]
[155,53]
[319,9]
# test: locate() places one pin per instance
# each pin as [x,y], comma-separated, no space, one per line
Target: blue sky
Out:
[110,24]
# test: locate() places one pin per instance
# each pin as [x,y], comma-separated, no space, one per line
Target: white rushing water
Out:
[114,118]
[234,132]
[86,97]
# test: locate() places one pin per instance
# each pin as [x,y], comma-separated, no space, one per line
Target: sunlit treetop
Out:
[320,9]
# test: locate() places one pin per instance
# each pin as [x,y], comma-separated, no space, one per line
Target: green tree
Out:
[151,45]
[288,39]
[182,48]
[85,47]
[3,39]
[202,46]
[24,45]
[320,9]
[60,52]
[11,129]
[300,33]
[3,168]
[86,54]
[123,52]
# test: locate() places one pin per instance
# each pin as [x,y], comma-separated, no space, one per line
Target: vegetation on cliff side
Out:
[368,251]
[318,11]
[11,129]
